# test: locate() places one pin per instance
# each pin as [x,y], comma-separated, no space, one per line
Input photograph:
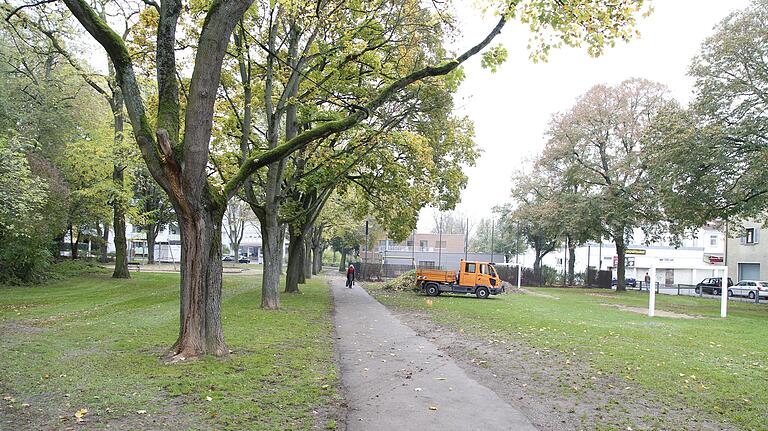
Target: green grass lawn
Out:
[712,364]
[95,343]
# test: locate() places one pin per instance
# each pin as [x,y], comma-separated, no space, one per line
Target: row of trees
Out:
[629,156]
[311,112]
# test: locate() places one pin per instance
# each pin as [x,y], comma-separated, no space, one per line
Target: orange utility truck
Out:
[478,278]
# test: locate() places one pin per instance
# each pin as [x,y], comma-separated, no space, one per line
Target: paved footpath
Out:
[397,380]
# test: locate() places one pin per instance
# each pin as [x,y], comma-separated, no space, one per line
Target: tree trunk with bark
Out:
[621,248]
[118,205]
[307,258]
[343,260]
[104,255]
[201,275]
[272,234]
[118,223]
[571,261]
[152,230]
[317,250]
[72,243]
[295,259]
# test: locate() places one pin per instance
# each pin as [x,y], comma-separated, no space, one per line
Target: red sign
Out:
[615,261]
[714,260]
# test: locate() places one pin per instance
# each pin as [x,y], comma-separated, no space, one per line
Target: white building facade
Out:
[694,259]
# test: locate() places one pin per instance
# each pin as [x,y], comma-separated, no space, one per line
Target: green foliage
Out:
[718,146]
[24,254]
[596,24]
[68,268]
[406,281]
[493,58]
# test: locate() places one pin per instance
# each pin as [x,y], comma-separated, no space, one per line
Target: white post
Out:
[724,293]
[652,292]
[518,275]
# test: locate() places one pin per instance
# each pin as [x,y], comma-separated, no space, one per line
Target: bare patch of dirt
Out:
[56,411]
[542,295]
[16,327]
[555,390]
[660,313]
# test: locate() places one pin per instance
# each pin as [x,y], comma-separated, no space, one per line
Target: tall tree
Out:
[601,140]
[709,160]
[179,164]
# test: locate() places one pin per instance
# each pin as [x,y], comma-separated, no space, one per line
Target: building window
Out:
[423,244]
[409,243]
[173,230]
[439,244]
[137,229]
[427,264]
[750,239]
[713,240]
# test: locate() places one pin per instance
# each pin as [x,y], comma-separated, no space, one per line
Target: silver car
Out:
[749,288]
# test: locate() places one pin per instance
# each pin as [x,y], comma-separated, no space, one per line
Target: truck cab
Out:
[473,277]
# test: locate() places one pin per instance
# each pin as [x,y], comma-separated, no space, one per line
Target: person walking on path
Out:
[648,281]
[350,276]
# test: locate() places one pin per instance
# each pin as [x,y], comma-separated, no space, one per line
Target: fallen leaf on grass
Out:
[141,412]
[80,414]
[209,398]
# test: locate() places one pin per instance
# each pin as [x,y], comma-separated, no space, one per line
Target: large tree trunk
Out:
[72,243]
[620,268]
[272,242]
[317,250]
[537,265]
[307,258]
[571,261]
[118,223]
[151,230]
[343,260]
[118,206]
[295,260]
[104,257]
[200,324]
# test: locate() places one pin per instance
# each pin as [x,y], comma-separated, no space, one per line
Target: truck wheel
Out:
[482,292]
[432,289]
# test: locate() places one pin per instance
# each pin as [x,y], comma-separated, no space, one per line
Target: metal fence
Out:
[381,271]
[738,293]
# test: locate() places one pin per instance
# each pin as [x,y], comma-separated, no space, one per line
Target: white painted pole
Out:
[652,293]
[724,293]
[518,274]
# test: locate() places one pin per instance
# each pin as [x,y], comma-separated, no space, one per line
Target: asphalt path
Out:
[395,379]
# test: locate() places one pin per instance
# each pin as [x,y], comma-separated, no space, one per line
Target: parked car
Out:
[713,286]
[228,259]
[244,259]
[749,288]
[630,282]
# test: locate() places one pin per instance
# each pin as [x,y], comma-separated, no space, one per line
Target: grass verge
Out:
[93,343]
[707,364]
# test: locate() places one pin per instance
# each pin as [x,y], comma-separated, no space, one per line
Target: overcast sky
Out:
[511,108]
